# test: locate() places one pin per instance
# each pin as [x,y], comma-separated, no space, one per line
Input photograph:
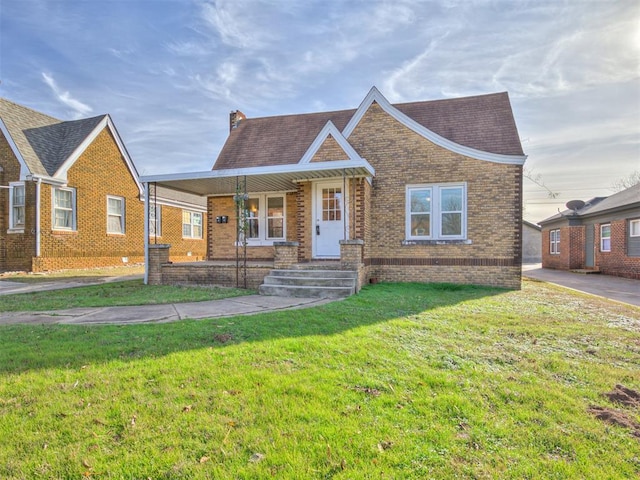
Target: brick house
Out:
[70,197]
[602,234]
[426,191]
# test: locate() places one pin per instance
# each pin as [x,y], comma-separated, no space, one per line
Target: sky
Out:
[170,71]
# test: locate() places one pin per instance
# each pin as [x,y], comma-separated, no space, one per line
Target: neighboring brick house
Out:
[70,197]
[602,234]
[426,191]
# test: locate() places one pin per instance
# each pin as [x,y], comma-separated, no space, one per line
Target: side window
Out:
[64,209]
[115,215]
[436,212]
[605,238]
[16,206]
[191,224]
[554,242]
[634,228]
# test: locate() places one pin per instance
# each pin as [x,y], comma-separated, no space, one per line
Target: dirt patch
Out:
[624,396]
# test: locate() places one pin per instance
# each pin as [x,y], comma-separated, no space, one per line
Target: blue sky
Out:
[170,71]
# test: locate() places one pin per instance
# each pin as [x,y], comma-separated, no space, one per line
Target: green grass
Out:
[130,292]
[400,381]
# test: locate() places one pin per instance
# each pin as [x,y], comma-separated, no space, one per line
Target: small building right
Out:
[602,234]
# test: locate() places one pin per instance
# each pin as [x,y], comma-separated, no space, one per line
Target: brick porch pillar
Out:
[158,256]
[286,255]
[351,258]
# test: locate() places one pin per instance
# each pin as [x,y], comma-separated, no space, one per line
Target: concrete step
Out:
[305,291]
[309,283]
[313,273]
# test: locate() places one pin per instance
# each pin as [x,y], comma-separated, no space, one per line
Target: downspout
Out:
[38,195]
[146,233]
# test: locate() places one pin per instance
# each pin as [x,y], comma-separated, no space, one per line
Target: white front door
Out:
[328,222]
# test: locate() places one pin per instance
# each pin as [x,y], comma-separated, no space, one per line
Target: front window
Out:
[64,209]
[275,217]
[115,215]
[634,228]
[17,206]
[436,212]
[191,224]
[265,219]
[605,238]
[554,242]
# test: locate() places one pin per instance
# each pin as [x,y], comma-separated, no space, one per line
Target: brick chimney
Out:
[235,118]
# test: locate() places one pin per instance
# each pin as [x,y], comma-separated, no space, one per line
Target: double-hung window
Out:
[191,224]
[265,219]
[605,238]
[554,242]
[64,209]
[634,228]
[115,215]
[16,206]
[436,212]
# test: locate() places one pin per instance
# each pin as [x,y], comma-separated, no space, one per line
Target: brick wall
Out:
[572,248]
[494,201]
[616,262]
[16,249]
[182,249]
[222,236]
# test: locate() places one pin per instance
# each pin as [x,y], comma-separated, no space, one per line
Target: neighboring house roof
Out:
[482,123]
[627,198]
[46,146]
[531,225]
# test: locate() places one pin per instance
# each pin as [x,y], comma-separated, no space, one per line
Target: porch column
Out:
[158,256]
[286,255]
[351,258]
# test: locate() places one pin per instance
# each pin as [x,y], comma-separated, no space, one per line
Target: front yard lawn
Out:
[400,381]
[129,292]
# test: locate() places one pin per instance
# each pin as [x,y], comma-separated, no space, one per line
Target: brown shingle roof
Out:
[483,122]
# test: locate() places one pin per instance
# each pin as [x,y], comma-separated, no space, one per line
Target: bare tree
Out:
[626,182]
[537,179]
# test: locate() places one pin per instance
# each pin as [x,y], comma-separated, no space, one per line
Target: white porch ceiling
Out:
[278,178]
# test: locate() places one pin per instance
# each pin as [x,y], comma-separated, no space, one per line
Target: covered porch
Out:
[264,219]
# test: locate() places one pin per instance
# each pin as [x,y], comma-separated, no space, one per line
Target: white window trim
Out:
[122,215]
[554,245]
[436,212]
[73,209]
[601,237]
[631,223]
[191,236]
[156,210]
[12,227]
[263,239]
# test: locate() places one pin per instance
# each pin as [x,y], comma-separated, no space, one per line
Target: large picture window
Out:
[436,212]
[191,224]
[64,209]
[605,238]
[554,242]
[115,215]
[17,206]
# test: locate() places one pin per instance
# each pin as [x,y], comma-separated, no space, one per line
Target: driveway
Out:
[620,289]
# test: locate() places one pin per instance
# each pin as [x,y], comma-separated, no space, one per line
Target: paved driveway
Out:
[620,289]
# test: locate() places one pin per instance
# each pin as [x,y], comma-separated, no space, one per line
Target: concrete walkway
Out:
[227,307]
[623,290]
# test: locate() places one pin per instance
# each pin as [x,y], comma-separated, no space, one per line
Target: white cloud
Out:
[79,109]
